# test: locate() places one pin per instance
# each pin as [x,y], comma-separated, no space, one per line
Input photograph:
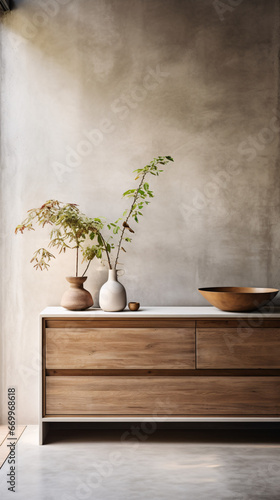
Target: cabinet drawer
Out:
[111,348]
[166,396]
[238,348]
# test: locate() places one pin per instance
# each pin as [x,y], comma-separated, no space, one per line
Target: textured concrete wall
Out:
[92,90]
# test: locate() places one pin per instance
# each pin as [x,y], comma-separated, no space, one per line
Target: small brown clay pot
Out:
[76,298]
[134,306]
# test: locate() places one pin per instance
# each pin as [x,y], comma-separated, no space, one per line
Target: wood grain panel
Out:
[230,348]
[160,373]
[130,348]
[120,323]
[249,322]
[163,396]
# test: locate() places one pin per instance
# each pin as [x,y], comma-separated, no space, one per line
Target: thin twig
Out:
[86,268]
[107,253]
[129,214]
[77,261]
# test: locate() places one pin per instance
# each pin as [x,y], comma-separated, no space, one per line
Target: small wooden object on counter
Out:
[134,306]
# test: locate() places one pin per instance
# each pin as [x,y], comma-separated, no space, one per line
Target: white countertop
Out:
[166,312]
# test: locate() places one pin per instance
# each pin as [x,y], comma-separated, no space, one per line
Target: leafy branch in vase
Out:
[70,230]
[139,197]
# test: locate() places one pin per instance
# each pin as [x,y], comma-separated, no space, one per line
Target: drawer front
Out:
[162,396]
[110,348]
[221,348]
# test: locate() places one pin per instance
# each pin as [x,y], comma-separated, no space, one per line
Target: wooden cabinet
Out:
[163,364]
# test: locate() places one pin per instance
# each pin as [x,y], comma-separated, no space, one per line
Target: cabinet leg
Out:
[43,431]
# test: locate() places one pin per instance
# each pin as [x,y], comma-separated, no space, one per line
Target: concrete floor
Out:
[147,463]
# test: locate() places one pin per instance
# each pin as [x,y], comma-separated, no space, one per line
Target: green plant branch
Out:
[142,192]
[106,250]
[77,261]
[69,226]
[125,223]
[88,264]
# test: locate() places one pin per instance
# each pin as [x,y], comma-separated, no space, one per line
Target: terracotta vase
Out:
[76,298]
[112,296]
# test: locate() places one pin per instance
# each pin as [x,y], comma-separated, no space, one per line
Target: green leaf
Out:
[130,191]
[99,239]
[146,186]
[135,218]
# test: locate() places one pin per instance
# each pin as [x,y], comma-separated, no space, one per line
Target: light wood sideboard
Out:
[159,363]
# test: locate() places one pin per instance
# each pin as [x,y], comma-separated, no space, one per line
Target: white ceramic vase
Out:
[112,296]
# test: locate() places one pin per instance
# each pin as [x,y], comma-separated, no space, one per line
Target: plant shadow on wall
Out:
[71,229]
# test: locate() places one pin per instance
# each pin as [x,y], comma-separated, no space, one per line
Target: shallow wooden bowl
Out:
[233,298]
